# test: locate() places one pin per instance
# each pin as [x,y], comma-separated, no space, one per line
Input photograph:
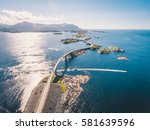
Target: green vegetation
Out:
[62,85]
[69,40]
[45,79]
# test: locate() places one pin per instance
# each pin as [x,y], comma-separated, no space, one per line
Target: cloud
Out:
[13,17]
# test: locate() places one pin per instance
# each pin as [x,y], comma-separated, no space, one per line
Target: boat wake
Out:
[93,69]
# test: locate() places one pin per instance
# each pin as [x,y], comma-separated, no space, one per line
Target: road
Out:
[45,91]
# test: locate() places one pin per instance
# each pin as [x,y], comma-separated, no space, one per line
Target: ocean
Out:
[26,58]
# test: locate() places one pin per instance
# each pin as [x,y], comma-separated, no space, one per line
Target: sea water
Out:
[26,58]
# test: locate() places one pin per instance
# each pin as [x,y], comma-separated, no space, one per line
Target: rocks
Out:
[58,101]
[111,49]
[80,35]
[73,90]
[94,46]
[69,40]
[88,44]
[104,51]
[116,49]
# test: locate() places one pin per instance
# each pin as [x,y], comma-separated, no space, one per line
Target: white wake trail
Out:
[94,69]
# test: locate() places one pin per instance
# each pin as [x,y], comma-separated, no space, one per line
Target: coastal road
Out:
[42,100]
[44,94]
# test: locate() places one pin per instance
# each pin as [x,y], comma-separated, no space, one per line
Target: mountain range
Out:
[35,27]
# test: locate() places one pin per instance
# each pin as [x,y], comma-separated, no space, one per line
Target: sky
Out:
[87,14]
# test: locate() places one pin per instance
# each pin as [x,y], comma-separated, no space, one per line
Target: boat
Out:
[122,58]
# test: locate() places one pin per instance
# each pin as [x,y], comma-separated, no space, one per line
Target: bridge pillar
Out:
[65,59]
[71,55]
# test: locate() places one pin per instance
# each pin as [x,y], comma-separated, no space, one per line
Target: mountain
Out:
[34,27]
[4,26]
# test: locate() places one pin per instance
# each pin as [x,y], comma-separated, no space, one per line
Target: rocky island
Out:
[69,40]
[104,51]
[116,49]
[95,47]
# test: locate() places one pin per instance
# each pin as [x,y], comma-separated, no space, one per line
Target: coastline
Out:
[58,101]
[73,91]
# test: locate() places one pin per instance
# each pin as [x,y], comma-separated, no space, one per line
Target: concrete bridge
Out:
[42,100]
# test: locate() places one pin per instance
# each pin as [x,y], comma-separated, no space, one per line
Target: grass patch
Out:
[62,85]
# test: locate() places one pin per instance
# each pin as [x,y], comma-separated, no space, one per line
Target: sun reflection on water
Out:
[27,49]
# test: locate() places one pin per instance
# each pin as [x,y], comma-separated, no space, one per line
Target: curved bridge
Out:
[44,94]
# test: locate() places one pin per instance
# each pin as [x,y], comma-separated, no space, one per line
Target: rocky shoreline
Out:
[73,90]
[62,94]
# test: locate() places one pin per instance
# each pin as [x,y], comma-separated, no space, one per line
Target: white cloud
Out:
[13,17]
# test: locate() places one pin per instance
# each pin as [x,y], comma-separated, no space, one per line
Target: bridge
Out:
[42,100]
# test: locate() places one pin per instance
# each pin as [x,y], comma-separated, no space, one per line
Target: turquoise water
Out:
[25,58]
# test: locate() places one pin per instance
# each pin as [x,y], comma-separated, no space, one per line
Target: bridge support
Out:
[65,59]
[72,55]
